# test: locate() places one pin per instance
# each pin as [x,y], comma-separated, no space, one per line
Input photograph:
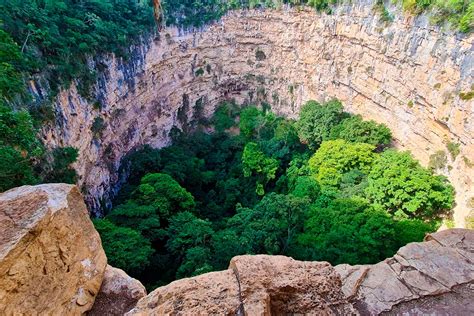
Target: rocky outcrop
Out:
[253,285]
[51,257]
[118,294]
[432,277]
[406,74]
[444,262]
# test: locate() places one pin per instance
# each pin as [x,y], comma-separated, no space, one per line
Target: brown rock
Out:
[118,293]
[442,267]
[215,293]
[51,258]
[253,285]
[278,285]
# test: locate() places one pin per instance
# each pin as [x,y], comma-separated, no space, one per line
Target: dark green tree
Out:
[125,248]
[316,121]
[355,130]
[348,231]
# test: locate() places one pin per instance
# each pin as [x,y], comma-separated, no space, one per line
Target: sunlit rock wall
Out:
[406,74]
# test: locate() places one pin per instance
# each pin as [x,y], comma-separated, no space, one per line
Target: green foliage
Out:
[454,149]
[15,170]
[251,122]
[98,126]
[336,157]
[211,196]
[316,121]
[60,169]
[255,162]
[57,36]
[459,13]
[142,218]
[385,15]
[401,186]
[356,130]
[199,72]
[125,247]
[223,117]
[348,231]
[271,226]
[163,193]
[438,160]
[186,231]
[11,61]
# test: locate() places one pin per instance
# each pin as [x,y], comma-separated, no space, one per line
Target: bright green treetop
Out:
[401,186]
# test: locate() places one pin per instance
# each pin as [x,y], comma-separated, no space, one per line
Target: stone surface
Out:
[435,277]
[253,285]
[421,278]
[51,258]
[406,74]
[118,293]
[215,293]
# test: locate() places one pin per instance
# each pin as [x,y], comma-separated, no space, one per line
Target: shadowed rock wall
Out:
[406,74]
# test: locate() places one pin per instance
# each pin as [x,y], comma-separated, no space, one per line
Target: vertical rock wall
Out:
[406,74]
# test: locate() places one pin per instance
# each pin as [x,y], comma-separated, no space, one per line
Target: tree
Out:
[271,226]
[163,193]
[355,130]
[336,157]
[316,121]
[400,185]
[125,248]
[196,261]
[60,169]
[11,60]
[348,231]
[142,218]
[253,122]
[189,240]
[254,161]
[15,170]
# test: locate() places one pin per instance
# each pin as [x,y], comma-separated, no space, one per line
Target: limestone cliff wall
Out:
[406,74]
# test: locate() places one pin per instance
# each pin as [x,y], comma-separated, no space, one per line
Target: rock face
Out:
[253,285]
[118,293]
[440,266]
[433,277]
[406,74]
[51,258]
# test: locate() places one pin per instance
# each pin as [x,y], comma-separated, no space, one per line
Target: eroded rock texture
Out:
[253,285]
[118,293]
[51,257]
[406,74]
[439,272]
[435,277]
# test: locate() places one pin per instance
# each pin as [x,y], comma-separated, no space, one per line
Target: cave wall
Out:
[406,74]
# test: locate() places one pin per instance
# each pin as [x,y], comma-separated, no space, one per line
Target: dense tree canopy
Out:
[252,187]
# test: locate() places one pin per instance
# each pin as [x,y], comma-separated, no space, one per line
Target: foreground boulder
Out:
[51,257]
[253,285]
[433,277]
[118,294]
